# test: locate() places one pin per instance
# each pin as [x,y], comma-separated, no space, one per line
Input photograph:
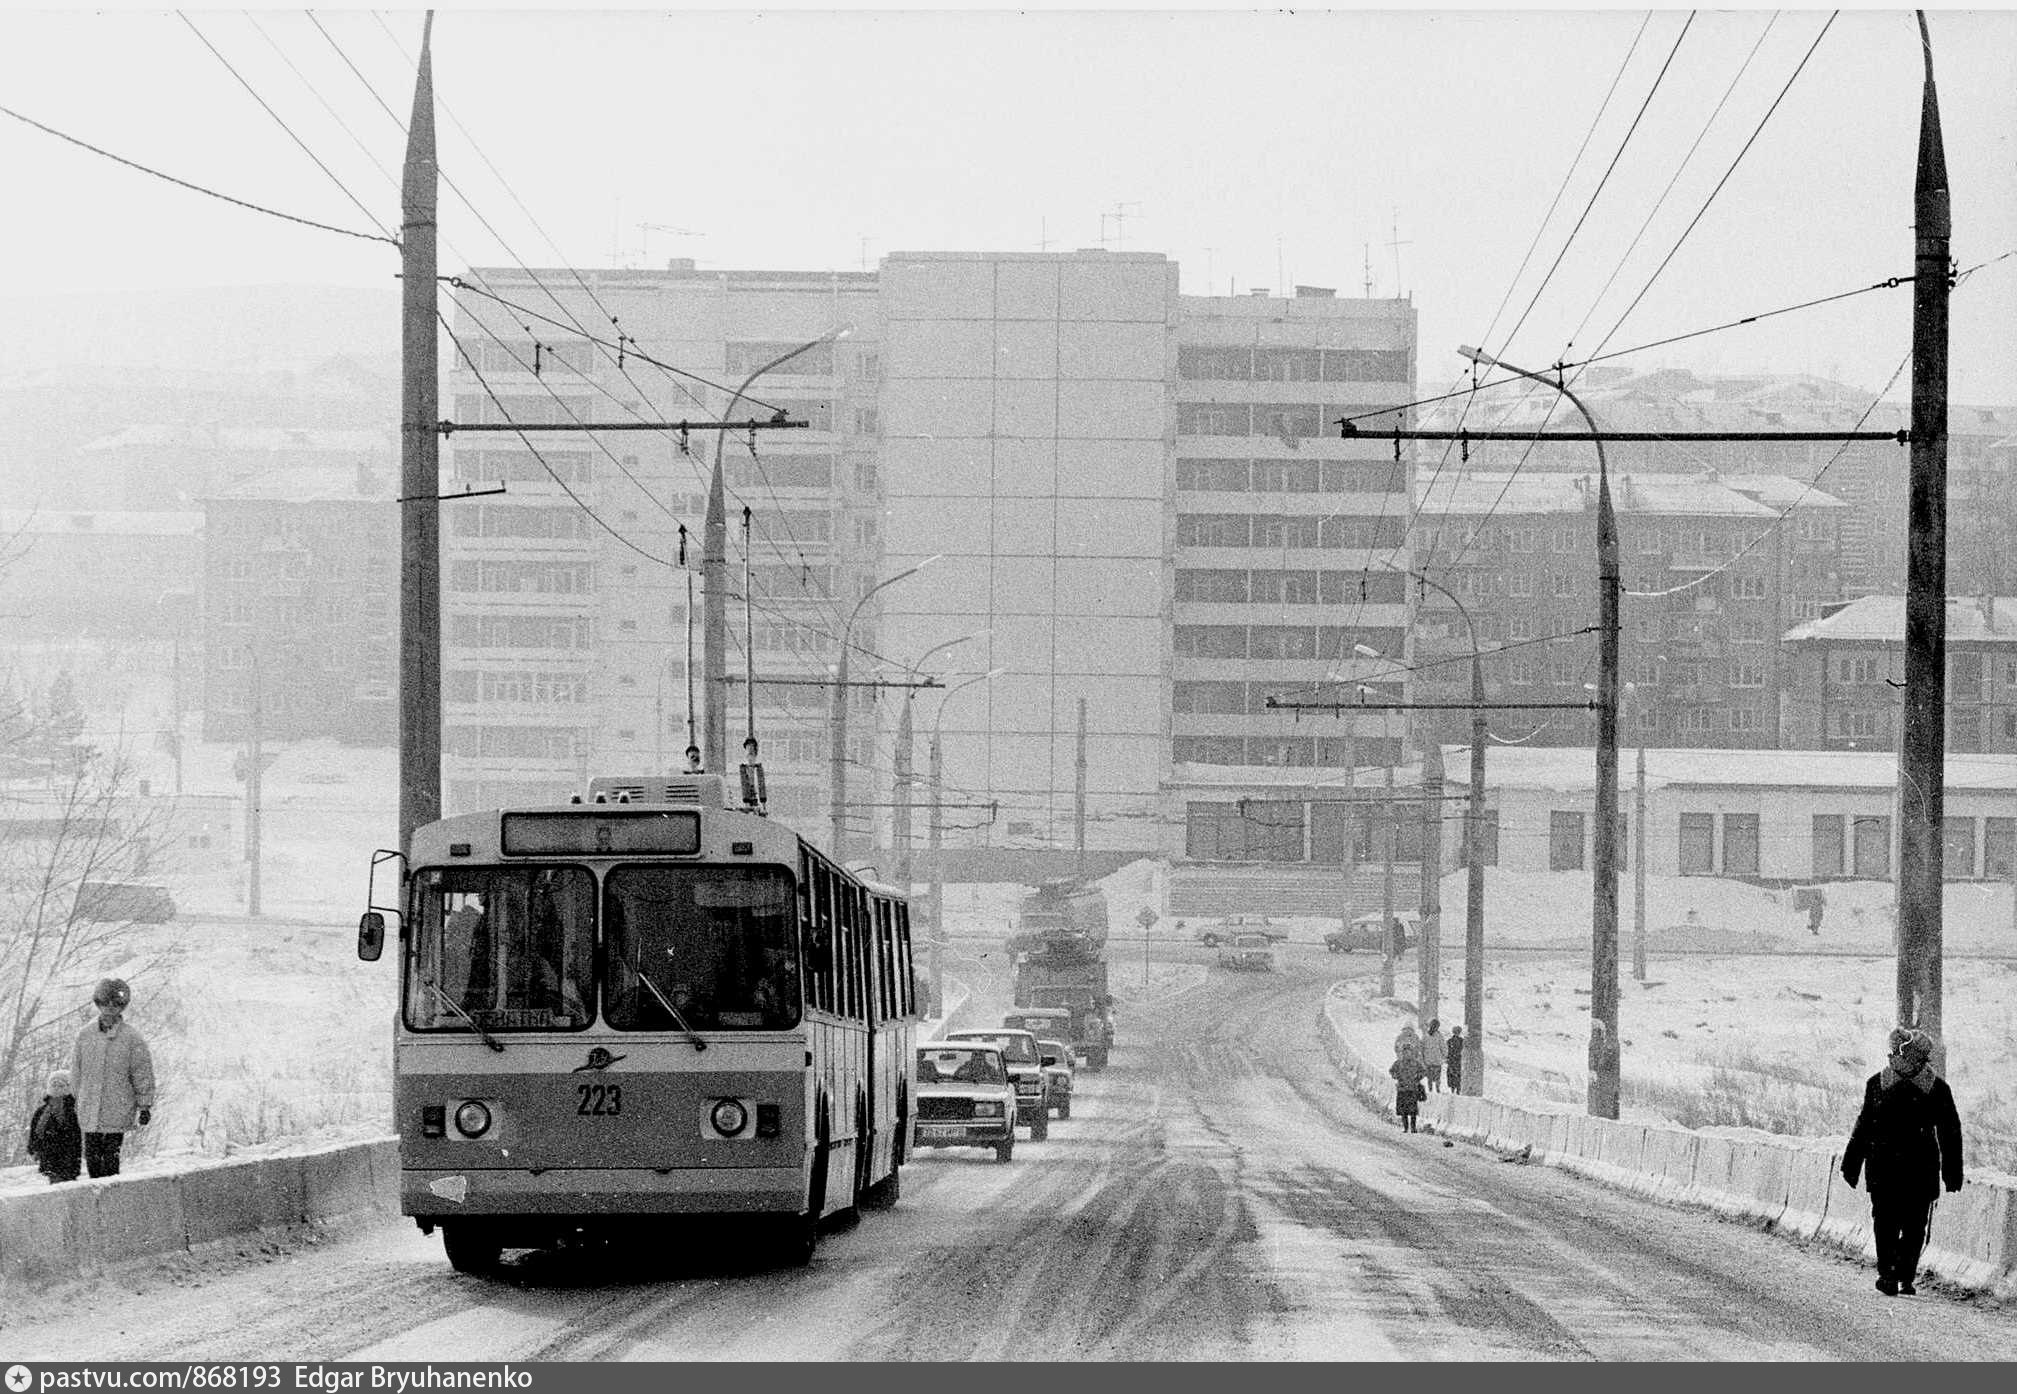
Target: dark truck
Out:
[1059,949]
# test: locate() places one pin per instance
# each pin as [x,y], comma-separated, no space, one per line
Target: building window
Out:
[1828,848]
[1747,587]
[1523,539]
[1520,672]
[1562,583]
[1519,627]
[1698,844]
[1219,698]
[1747,719]
[1747,674]
[1999,847]
[1209,750]
[1262,830]
[1856,724]
[1212,587]
[1740,844]
[1957,849]
[1871,845]
[1858,670]
[1562,540]
[1519,584]
[1219,476]
[1561,670]
[1565,841]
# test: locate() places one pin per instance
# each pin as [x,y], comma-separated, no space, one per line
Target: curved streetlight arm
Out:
[714,566]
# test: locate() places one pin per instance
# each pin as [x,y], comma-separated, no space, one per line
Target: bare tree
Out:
[78,825]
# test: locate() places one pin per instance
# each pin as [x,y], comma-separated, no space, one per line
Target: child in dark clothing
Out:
[54,1139]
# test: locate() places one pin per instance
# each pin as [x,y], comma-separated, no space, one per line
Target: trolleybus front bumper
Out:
[439,1195]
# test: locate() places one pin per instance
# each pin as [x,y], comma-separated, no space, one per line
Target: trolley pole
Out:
[1392,826]
[419,471]
[1430,962]
[1639,872]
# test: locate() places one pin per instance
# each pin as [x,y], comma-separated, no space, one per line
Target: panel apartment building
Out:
[1288,578]
[563,607]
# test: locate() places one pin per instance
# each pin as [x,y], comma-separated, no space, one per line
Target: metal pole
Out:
[1393,827]
[836,763]
[1922,753]
[900,818]
[1474,892]
[1079,795]
[255,833]
[1639,873]
[1603,1054]
[419,470]
[714,576]
[1430,964]
[934,838]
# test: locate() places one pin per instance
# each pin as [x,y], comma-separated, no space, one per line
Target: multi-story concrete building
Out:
[1869,476]
[1711,578]
[1846,670]
[300,569]
[1025,416]
[564,605]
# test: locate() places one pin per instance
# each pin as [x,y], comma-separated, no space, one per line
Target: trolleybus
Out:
[650,1004]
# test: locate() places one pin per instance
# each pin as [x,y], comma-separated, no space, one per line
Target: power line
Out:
[198,188]
[184,17]
[1603,180]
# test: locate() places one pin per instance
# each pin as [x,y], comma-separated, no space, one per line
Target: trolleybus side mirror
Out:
[370,936]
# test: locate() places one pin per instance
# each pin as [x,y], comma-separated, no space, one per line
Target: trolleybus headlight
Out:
[434,1120]
[729,1117]
[987,1109]
[472,1119]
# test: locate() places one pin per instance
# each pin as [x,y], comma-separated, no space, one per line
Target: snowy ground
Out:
[274,1031]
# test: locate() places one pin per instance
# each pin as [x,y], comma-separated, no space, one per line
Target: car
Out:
[1039,1021]
[1058,1076]
[1230,928]
[124,901]
[1248,953]
[964,1098]
[1364,933]
[1026,1072]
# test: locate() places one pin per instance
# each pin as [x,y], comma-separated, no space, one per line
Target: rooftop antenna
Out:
[1281,276]
[1369,271]
[1043,234]
[754,795]
[1396,243]
[692,741]
[1119,216]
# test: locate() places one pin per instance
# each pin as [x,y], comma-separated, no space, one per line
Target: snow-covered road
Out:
[1216,1195]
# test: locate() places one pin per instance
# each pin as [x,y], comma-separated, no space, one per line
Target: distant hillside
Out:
[221,328]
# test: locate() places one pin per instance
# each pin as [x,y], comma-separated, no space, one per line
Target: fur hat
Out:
[59,1081]
[1911,1045]
[111,992]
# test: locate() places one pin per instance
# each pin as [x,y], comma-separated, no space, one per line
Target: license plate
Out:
[940,1132]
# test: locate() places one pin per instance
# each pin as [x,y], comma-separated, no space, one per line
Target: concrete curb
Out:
[1791,1187]
[83,1228]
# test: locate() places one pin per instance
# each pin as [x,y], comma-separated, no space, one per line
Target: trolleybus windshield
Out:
[506,948]
[720,943]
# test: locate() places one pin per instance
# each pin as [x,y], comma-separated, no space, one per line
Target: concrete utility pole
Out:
[934,838]
[1922,754]
[1603,1056]
[837,752]
[419,471]
[255,762]
[900,818]
[1431,950]
[1639,873]
[1392,824]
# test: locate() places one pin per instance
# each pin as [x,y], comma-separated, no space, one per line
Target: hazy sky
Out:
[1259,149]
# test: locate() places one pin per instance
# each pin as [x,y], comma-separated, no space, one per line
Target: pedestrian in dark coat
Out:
[1453,1058]
[1408,1073]
[54,1139]
[1906,1144]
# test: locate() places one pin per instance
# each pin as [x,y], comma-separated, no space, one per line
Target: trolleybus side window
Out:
[906,974]
[508,948]
[820,949]
[715,944]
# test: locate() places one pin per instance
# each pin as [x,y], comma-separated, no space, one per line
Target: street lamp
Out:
[900,829]
[714,571]
[1604,1050]
[936,828]
[1474,861]
[837,755]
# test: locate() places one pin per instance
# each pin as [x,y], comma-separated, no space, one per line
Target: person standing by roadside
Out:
[54,1139]
[1453,1057]
[1408,1073]
[114,1077]
[1433,1053]
[1906,1143]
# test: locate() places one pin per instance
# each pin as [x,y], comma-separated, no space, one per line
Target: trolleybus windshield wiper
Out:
[456,1007]
[699,1042]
